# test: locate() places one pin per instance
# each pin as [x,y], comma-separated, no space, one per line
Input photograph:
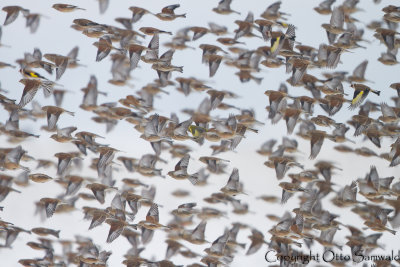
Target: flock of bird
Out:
[375,199]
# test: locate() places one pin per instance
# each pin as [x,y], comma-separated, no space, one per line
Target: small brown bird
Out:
[152,52]
[272,12]
[335,26]
[214,164]
[180,132]
[50,205]
[173,248]
[282,165]
[196,236]
[155,129]
[99,191]
[152,31]
[245,27]
[74,184]
[66,7]
[228,41]
[317,139]
[104,47]
[105,160]
[387,36]
[389,114]
[137,13]
[392,16]
[180,171]
[277,103]
[53,113]
[325,168]
[396,86]
[298,66]
[64,161]
[291,116]
[217,29]
[288,189]
[31,88]
[5,65]
[117,226]
[81,24]
[60,62]
[267,147]
[347,196]
[168,14]
[185,210]
[233,186]
[152,219]
[126,22]
[224,8]
[166,67]
[324,8]
[388,58]
[378,227]
[32,21]
[213,62]
[135,52]
[39,177]
[12,233]
[257,240]
[333,56]
[395,153]
[41,231]
[13,12]
[198,32]
[265,27]
[217,248]
[5,190]
[359,73]
[94,32]
[208,50]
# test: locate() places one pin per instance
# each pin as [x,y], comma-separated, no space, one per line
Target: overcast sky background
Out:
[55,36]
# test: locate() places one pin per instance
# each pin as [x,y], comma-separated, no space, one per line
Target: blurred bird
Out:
[324,8]
[217,29]
[288,189]
[359,73]
[278,41]
[13,12]
[61,63]
[66,7]
[233,186]
[152,219]
[137,13]
[224,8]
[198,32]
[31,88]
[50,205]
[53,113]
[152,31]
[180,171]
[273,12]
[31,74]
[104,47]
[168,14]
[361,92]
[387,36]
[213,62]
[335,26]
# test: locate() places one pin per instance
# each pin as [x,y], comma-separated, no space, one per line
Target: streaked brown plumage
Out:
[66,7]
